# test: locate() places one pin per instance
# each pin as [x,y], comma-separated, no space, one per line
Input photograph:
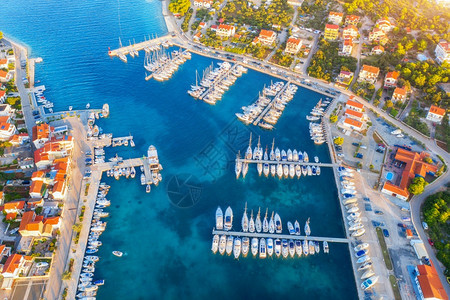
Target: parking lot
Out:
[30,289]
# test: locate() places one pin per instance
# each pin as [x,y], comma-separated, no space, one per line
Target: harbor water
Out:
[166,235]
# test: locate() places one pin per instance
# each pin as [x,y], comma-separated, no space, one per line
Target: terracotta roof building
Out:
[399,95]
[391,79]
[356,115]
[335,17]
[267,37]
[331,32]
[429,284]
[435,114]
[356,106]
[293,46]
[352,124]
[442,52]
[225,31]
[369,74]
[352,20]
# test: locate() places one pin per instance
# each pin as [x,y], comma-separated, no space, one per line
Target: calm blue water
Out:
[166,235]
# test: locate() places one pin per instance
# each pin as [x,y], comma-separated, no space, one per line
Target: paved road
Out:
[416,204]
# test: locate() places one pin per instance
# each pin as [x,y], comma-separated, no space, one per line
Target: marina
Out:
[267,109]
[215,82]
[122,141]
[280,236]
[163,65]
[131,49]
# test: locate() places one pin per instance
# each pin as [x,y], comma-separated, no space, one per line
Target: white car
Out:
[425,225]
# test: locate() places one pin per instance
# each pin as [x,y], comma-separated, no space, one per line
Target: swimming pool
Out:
[389,176]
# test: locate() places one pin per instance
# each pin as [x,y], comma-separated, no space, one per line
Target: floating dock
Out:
[119,141]
[141,46]
[280,236]
[269,106]
[217,81]
[127,163]
[275,162]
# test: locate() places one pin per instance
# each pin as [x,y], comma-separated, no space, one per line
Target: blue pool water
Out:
[389,176]
[166,235]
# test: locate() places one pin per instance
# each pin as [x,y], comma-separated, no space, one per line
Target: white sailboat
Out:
[254,246]
[229,246]
[258,224]
[278,226]
[245,220]
[266,222]
[238,166]
[248,153]
[222,244]
[251,226]
[278,247]
[307,228]
[262,248]
[271,224]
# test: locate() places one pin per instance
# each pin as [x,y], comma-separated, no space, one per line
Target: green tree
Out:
[179,6]
[417,186]
[333,118]
[338,141]
[389,104]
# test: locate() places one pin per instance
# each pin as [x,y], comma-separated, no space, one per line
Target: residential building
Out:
[13,265]
[5,76]
[293,45]
[428,283]
[344,79]
[350,31]
[335,17]
[369,74]
[59,190]
[442,52]
[377,50]
[352,20]
[3,63]
[378,35]
[399,95]
[347,47]
[225,31]
[37,188]
[295,2]
[7,130]
[2,96]
[5,110]
[41,134]
[37,226]
[20,139]
[351,124]
[384,24]
[201,25]
[197,36]
[356,115]
[203,3]
[4,251]
[267,37]
[391,79]
[435,114]
[353,105]
[414,165]
[331,32]
[14,207]
[26,163]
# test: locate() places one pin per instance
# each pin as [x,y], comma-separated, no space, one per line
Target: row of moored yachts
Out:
[215,82]
[87,286]
[162,65]
[268,110]
[318,111]
[133,52]
[263,246]
[277,167]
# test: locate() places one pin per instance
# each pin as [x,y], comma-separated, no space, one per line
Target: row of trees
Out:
[436,211]
[278,12]
[327,63]
[180,7]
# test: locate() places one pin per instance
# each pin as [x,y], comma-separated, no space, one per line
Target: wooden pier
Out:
[118,141]
[270,105]
[280,236]
[127,163]
[217,81]
[141,46]
[276,162]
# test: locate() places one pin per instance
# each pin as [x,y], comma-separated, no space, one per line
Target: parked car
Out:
[359,155]
[378,212]
[431,242]
[401,225]
[385,232]
[363,147]
[425,225]
[355,144]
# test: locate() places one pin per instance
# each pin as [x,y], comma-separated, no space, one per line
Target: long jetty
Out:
[217,81]
[270,105]
[280,236]
[141,46]
[256,161]
[127,163]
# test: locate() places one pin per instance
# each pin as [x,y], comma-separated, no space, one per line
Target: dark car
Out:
[378,212]
[431,242]
[401,225]
[359,155]
[386,232]
[355,144]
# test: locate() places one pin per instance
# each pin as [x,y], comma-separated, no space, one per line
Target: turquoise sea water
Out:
[166,235]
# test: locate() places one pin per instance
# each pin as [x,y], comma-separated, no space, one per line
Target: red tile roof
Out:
[41,131]
[266,34]
[399,91]
[353,123]
[354,113]
[437,110]
[332,27]
[11,216]
[12,263]
[26,218]
[430,283]
[371,69]
[293,41]
[354,104]
[36,186]
[2,93]
[3,74]
[52,221]
[226,27]
[393,75]
[3,61]
[396,189]
[14,205]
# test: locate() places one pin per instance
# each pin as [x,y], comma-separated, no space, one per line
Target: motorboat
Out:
[92,258]
[298,247]
[148,188]
[245,245]
[291,171]
[312,248]
[297,227]
[278,226]
[229,246]
[353,209]
[365,265]
[291,248]
[278,247]
[356,227]
[298,171]
[222,244]
[286,171]
[317,246]
[349,201]
[262,248]
[358,232]
[280,170]
[326,249]
[143,180]
[363,259]
[254,246]
[367,274]
[290,228]
[228,219]
[361,253]
[237,247]
[370,282]
[305,247]
[219,219]
[361,247]
[215,244]
[283,155]
[284,248]
[270,246]
[117,253]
